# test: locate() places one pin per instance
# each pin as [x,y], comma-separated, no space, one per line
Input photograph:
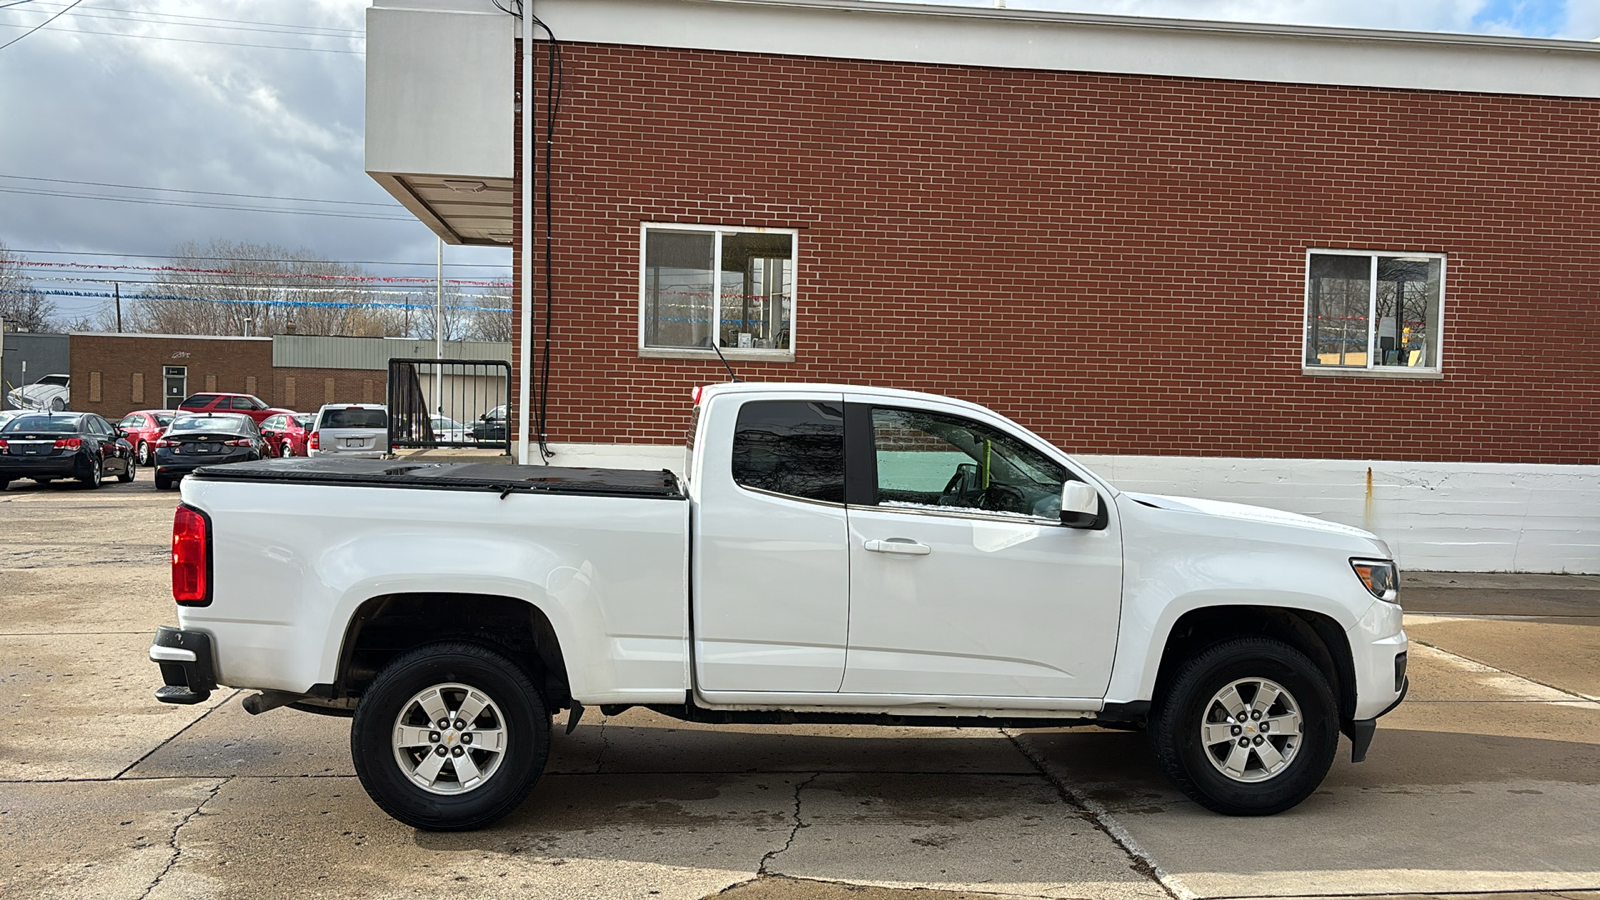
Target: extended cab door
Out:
[963,582]
[771,560]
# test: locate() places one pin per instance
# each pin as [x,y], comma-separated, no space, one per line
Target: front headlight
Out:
[1380,576]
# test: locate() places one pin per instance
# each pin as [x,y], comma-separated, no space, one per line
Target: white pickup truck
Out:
[837,554]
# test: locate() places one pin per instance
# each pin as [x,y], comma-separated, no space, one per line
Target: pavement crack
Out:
[605,744]
[175,735]
[1099,817]
[172,839]
[799,823]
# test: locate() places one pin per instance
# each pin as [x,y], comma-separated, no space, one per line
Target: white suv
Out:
[350,429]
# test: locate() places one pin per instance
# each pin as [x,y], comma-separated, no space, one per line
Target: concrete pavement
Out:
[1486,779]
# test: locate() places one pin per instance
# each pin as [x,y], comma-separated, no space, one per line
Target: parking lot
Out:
[1486,780]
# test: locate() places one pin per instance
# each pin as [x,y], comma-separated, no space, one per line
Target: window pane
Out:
[1336,317]
[677,288]
[791,447]
[1408,310]
[757,270]
[928,459]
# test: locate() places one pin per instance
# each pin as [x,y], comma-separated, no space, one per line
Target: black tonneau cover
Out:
[451,476]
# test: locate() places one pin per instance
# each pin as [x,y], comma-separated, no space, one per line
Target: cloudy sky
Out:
[131,126]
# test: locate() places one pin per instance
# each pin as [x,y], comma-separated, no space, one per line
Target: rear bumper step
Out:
[187,666]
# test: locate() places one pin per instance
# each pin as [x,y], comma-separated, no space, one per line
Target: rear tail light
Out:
[5,447]
[313,443]
[191,557]
[163,442]
[69,443]
[239,442]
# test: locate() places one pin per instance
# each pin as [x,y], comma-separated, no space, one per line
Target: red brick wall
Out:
[116,359]
[1117,262]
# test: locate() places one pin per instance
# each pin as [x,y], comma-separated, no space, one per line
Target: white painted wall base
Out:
[1439,517]
[1450,517]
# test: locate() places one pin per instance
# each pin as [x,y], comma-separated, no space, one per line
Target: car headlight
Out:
[1380,576]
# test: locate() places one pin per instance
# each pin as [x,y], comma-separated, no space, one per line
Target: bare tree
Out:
[240,288]
[491,320]
[22,308]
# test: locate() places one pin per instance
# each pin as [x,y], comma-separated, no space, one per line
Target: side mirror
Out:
[1080,505]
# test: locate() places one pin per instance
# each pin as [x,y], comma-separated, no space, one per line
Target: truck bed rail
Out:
[497,477]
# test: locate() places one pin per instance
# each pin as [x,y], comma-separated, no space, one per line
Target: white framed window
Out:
[704,283]
[1376,313]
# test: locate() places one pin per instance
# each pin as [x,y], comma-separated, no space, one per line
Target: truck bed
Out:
[452,476]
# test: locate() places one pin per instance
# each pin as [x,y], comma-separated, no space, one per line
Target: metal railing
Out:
[450,403]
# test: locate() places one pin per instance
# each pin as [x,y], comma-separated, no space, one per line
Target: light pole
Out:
[438,329]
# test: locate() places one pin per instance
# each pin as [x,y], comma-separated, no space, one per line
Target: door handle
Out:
[900,546]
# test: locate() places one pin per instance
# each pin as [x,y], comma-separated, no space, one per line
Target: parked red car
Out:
[142,428]
[240,404]
[286,433]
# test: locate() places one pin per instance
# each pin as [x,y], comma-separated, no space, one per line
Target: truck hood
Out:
[1240,512]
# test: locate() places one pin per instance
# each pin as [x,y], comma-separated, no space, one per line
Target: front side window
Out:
[1373,311]
[700,284]
[935,461]
[791,447]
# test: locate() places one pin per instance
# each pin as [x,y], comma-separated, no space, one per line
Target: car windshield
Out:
[355,417]
[207,423]
[41,425]
[57,380]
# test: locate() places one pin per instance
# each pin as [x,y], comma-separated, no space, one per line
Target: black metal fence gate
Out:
[450,403]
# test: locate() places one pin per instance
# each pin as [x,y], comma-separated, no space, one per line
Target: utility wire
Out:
[156,18]
[41,24]
[157,202]
[137,187]
[149,17]
[180,256]
[158,37]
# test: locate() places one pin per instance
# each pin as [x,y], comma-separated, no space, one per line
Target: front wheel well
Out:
[1318,636]
[388,625]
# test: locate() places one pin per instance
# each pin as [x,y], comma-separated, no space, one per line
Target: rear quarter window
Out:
[792,447]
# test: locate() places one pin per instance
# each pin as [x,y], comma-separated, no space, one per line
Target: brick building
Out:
[1202,255]
[113,374]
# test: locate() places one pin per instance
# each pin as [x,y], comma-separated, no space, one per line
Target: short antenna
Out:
[731,376]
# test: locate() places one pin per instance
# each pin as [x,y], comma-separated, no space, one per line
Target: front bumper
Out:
[188,668]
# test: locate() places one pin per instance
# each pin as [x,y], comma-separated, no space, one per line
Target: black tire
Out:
[95,475]
[288,450]
[1195,700]
[144,453]
[515,709]
[4,483]
[163,483]
[129,471]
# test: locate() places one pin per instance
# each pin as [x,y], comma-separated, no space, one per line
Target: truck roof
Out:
[804,387]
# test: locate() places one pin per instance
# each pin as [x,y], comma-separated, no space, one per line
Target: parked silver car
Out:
[350,429]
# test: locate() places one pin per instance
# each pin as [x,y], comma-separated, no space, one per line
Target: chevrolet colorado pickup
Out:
[836,554]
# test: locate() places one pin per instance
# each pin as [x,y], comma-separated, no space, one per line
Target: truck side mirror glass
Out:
[1080,505]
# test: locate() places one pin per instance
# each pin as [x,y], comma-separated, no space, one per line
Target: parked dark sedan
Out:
[207,439]
[491,426]
[46,446]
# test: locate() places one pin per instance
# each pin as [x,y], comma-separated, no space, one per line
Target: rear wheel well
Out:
[391,624]
[1314,634]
